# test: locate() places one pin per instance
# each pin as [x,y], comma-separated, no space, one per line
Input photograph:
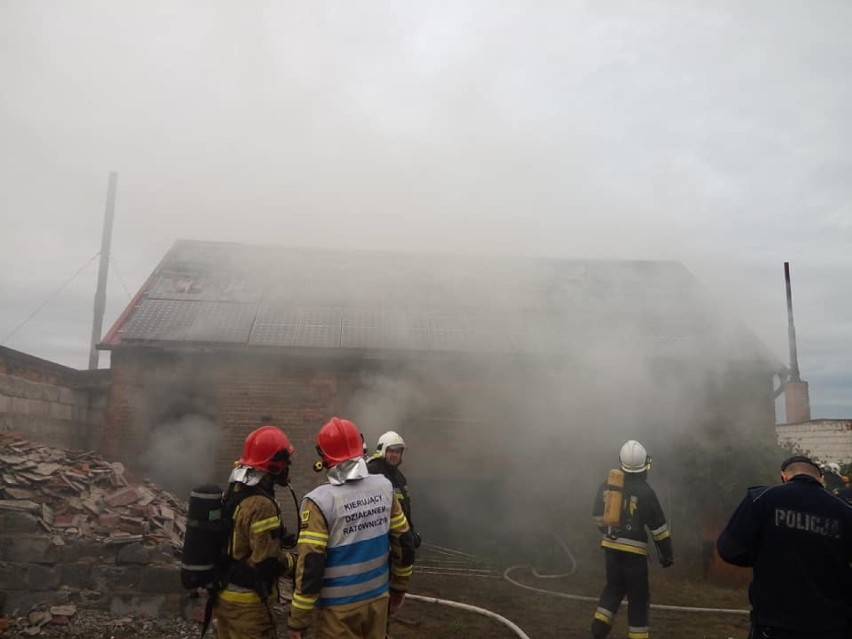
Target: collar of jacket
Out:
[349,470]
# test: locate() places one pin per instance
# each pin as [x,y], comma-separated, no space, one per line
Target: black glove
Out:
[665,562]
[417,540]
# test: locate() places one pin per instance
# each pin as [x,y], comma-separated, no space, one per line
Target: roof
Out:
[215,293]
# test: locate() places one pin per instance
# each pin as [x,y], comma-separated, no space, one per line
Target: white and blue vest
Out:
[358,515]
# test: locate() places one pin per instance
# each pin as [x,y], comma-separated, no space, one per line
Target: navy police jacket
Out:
[797,537]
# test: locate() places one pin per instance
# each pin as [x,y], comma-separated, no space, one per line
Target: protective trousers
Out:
[626,574]
[364,620]
[243,621]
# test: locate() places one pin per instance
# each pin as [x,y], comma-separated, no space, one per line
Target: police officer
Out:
[257,558]
[798,540]
[355,548]
[626,546]
[386,461]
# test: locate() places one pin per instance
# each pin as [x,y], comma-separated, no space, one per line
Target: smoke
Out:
[177,432]
[505,449]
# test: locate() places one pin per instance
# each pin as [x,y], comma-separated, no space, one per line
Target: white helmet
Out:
[833,467]
[389,439]
[633,457]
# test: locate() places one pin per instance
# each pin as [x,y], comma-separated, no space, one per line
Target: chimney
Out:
[797,403]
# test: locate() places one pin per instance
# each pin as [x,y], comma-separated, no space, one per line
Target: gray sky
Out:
[714,133]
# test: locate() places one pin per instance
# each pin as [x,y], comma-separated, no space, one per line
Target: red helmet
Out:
[268,449]
[339,440]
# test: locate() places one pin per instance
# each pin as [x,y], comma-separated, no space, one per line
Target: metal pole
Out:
[103,271]
[791,329]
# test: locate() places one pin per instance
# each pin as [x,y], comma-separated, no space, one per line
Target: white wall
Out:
[824,439]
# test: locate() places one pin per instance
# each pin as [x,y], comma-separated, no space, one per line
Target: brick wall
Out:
[49,403]
[829,440]
[215,400]
[36,568]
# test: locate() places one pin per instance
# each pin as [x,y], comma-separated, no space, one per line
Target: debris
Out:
[63,611]
[80,494]
[19,504]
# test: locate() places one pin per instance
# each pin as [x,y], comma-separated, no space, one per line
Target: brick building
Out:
[468,357]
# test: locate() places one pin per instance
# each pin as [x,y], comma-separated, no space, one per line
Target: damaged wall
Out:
[51,403]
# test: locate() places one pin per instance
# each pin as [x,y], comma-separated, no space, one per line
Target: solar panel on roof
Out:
[362,318]
[447,341]
[420,302]
[161,320]
[273,335]
[319,316]
[360,337]
[414,339]
[318,335]
[222,322]
[445,322]
[276,313]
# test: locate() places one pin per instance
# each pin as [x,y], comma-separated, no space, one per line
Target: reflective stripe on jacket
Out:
[640,508]
[255,539]
[348,533]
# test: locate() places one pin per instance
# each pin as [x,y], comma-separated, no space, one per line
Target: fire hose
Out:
[469,608]
[564,595]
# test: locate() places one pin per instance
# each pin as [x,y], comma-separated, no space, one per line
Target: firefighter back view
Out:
[624,506]
[255,558]
[355,548]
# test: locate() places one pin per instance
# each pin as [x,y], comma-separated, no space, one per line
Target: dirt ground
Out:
[538,614]
[542,615]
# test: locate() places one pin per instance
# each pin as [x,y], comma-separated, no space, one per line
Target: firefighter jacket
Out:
[639,508]
[354,544]
[797,538]
[380,466]
[254,547]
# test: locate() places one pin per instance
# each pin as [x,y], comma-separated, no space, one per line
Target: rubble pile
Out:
[78,494]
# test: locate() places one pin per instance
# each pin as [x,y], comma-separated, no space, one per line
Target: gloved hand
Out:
[665,562]
[417,540]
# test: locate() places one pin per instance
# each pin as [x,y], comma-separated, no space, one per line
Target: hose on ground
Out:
[462,606]
[565,595]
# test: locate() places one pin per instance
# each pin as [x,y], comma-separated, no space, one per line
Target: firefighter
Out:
[254,548]
[798,541]
[355,548]
[626,546]
[386,461]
